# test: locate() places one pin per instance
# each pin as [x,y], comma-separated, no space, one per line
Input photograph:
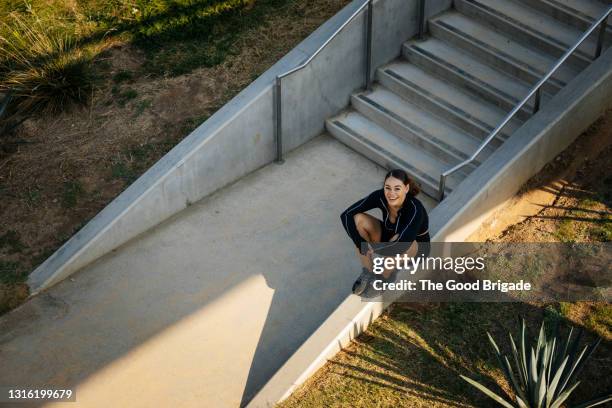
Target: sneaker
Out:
[362,282]
[371,292]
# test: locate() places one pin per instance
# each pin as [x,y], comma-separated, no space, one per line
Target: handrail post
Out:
[421,17]
[536,104]
[441,187]
[278,131]
[368,67]
[600,37]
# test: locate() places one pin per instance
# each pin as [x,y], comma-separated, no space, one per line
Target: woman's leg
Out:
[369,229]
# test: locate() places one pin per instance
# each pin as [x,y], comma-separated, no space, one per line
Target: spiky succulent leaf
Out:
[597,401]
[492,341]
[541,341]
[516,356]
[488,392]
[568,374]
[563,396]
[524,365]
[521,403]
[582,363]
[573,348]
[541,388]
[533,377]
[552,388]
[518,389]
[567,342]
[551,360]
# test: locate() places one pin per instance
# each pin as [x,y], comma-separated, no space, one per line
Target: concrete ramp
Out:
[202,310]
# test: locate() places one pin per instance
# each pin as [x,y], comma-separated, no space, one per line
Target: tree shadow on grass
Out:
[176,38]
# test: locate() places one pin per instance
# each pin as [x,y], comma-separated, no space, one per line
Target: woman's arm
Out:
[347,216]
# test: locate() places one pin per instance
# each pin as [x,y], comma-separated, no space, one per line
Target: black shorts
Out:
[401,247]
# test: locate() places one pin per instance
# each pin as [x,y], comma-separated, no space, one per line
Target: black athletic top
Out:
[412,223]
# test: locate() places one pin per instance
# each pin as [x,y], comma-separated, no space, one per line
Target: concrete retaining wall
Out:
[494,182]
[239,138]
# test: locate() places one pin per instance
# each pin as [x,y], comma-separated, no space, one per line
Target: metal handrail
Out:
[601,22]
[277,103]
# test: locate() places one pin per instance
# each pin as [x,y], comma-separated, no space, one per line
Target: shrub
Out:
[40,68]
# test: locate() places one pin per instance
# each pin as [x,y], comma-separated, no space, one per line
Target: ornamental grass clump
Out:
[545,373]
[40,68]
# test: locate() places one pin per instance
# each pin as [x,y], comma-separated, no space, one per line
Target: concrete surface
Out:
[203,309]
[239,138]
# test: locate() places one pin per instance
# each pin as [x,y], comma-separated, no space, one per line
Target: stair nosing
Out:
[436,99]
[424,176]
[490,88]
[536,72]
[528,29]
[571,10]
[459,155]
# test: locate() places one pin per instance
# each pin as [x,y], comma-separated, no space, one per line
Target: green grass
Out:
[32,197]
[141,106]
[11,242]
[72,191]
[600,318]
[602,232]
[122,76]
[125,96]
[12,273]
[122,170]
[598,228]
[566,231]
[136,159]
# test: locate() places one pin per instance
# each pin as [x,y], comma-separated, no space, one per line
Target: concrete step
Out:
[407,120]
[530,27]
[450,63]
[472,115]
[390,151]
[499,51]
[577,13]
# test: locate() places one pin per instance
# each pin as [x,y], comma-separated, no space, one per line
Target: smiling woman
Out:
[404,224]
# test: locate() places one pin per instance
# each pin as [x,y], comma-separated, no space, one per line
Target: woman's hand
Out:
[370,252]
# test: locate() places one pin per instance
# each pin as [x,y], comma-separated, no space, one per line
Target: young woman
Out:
[404,224]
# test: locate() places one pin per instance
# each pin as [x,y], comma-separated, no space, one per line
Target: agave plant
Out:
[543,376]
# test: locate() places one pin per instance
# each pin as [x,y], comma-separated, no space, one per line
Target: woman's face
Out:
[395,191]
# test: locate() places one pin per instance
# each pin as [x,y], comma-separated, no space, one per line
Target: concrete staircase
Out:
[431,109]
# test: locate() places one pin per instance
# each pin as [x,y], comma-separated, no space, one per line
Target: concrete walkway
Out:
[202,310]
